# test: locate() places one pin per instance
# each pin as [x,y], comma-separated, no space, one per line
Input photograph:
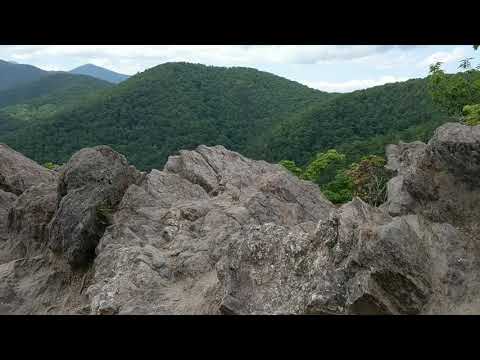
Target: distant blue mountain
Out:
[99,73]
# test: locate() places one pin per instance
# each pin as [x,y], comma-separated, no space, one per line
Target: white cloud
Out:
[132,58]
[351,85]
[445,57]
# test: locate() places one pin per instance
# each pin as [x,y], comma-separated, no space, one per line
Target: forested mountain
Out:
[169,107]
[12,74]
[358,123]
[100,73]
[179,105]
[59,87]
[47,96]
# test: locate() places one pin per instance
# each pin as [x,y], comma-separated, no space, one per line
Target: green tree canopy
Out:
[320,163]
[457,93]
[291,166]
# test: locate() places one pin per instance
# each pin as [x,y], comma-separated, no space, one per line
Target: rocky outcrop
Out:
[170,231]
[217,233]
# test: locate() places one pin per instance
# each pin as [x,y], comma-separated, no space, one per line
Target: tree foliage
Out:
[458,94]
[340,189]
[373,116]
[320,163]
[472,114]
[366,179]
[369,179]
[291,166]
[453,92]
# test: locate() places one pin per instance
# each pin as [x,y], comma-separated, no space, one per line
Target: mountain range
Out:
[181,105]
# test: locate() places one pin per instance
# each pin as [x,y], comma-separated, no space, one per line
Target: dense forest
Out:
[172,106]
[359,122]
[322,137]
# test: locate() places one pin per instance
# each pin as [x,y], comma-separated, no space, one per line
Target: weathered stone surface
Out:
[41,285]
[28,220]
[18,173]
[90,186]
[357,261]
[6,203]
[440,179]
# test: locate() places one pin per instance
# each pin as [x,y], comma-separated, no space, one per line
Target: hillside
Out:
[12,74]
[100,73]
[171,106]
[181,105]
[49,95]
[354,122]
[57,88]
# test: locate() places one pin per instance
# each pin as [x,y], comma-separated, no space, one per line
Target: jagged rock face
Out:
[216,233]
[90,186]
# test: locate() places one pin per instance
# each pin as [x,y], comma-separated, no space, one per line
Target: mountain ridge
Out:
[13,74]
[100,73]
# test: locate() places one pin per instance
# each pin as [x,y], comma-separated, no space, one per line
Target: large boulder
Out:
[90,187]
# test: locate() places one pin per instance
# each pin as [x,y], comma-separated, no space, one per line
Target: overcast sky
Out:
[339,68]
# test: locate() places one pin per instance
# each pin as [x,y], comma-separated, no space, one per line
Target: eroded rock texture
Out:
[217,233]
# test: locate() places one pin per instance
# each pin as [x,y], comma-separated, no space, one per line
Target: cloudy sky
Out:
[339,68]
